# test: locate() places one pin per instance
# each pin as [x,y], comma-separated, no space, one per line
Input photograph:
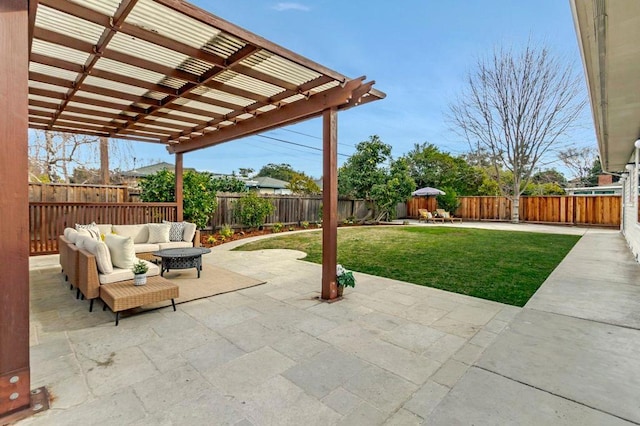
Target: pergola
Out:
[159,71]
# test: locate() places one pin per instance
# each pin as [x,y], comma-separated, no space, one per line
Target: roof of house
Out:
[269,182]
[151,169]
[609,40]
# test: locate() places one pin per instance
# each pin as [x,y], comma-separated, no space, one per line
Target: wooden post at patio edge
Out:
[15,380]
[329,203]
[178,190]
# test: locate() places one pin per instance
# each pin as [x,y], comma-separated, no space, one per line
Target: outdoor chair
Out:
[445,215]
[425,215]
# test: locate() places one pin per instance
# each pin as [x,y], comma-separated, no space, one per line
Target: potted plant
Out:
[140,273]
[344,279]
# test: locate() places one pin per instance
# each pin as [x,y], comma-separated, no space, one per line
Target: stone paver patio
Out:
[389,353]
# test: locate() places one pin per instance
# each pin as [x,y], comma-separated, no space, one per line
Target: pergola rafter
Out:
[160,71]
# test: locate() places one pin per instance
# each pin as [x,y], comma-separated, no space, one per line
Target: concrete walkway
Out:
[571,356]
[390,353]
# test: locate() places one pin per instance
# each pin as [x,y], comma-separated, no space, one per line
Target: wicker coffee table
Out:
[125,295]
[181,258]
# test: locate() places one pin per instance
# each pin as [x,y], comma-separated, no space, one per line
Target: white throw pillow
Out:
[123,254]
[92,228]
[103,257]
[189,231]
[71,234]
[158,233]
[82,239]
[176,232]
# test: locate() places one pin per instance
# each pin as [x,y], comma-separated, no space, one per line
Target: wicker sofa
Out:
[82,266]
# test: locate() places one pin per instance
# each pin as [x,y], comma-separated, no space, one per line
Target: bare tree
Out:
[580,161]
[53,156]
[516,105]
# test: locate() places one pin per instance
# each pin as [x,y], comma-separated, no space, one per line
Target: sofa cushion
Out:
[138,233]
[176,232]
[175,244]
[92,228]
[82,238]
[158,233]
[146,248]
[101,252]
[70,234]
[105,228]
[121,249]
[120,274]
[189,231]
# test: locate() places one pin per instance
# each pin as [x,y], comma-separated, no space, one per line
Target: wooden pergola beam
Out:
[287,114]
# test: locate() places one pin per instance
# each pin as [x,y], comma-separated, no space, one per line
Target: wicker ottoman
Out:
[125,295]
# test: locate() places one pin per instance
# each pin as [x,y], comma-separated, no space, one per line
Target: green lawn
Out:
[507,267]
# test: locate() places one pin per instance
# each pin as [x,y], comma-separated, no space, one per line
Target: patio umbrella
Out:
[427,191]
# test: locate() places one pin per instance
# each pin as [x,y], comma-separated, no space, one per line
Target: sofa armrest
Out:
[196,239]
[88,281]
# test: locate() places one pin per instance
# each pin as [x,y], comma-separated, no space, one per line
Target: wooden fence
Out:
[74,193]
[48,220]
[289,209]
[600,210]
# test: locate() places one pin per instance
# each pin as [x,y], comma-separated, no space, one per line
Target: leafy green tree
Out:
[396,188]
[281,171]
[365,176]
[251,210]
[199,193]
[429,166]
[549,176]
[363,170]
[228,184]
[303,184]
[449,201]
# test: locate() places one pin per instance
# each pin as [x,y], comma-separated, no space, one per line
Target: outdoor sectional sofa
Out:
[89,260]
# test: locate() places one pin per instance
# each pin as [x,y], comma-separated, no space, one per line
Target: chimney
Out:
[605,180]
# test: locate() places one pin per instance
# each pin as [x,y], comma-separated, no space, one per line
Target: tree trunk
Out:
[104,161]
[515,204]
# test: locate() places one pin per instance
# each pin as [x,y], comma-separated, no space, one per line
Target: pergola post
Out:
[14,227]
[329,203]
[179,187]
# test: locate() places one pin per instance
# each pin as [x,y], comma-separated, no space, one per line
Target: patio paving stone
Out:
[404,417]
[380,388]
[364,415]
[342,401]
[414,337]
[426,399]
[239,377]
[324,372]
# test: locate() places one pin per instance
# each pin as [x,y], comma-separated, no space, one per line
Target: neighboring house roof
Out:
[151,169]
[269,182]
[611,188]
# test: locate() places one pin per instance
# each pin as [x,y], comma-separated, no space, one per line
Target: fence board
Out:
[289,209]
[48,220]
[62,192]
[600,210]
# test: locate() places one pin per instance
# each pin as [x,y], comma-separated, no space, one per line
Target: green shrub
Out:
[277,227]
[251,210]
[211,239]
[304,224]
[449,201]
[199,194]
[226,231]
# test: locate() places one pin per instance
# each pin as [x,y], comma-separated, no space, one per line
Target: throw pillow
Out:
[176,232]
[158,233]
[102,255]
[445,215]
[71,234]
[92,228]
[82,239]
[189,231]
[122,252]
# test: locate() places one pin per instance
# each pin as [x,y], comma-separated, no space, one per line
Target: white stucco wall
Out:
[630,225]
